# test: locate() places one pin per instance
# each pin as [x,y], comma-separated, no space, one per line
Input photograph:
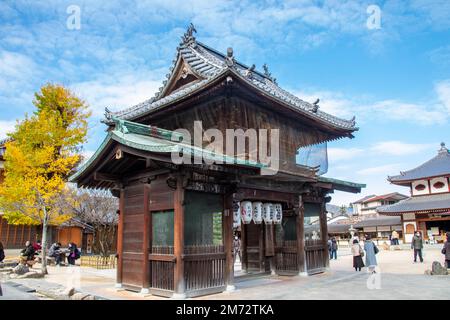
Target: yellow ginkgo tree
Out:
[42,152]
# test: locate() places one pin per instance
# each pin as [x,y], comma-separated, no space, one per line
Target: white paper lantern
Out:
[246,212]
[236,214]
[267,208]
[257,212]
[278,214]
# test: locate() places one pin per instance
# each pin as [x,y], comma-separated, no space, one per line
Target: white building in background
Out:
[368,205]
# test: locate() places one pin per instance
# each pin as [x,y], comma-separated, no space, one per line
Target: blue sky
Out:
[395,80]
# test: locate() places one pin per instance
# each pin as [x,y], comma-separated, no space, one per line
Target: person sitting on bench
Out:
[27,254]
[56,252]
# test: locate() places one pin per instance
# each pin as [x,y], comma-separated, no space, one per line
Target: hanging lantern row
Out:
[259,212]
[236,214]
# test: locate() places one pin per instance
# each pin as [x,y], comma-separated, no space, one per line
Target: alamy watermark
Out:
[73,21]
[251,147]
[373,22]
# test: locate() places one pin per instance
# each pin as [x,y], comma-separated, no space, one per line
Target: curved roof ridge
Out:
[443,156]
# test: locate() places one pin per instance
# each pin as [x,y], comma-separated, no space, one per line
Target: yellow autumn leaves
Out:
[42,153]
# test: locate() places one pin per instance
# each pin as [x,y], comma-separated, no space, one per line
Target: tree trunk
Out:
[44,242]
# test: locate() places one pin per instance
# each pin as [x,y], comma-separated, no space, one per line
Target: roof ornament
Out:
[315,106]
[268,74]
[108,114]
[353,121]
[249,71]
[188,37]
[443,149]
[229,60]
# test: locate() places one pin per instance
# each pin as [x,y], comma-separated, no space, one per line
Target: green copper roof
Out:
[154,139]
[343,183]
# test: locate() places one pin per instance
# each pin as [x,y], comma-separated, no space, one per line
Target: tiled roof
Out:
[379,221]
[365,198]
[437,166]
[154,139]
[210,65]
[393,195]
[428,203]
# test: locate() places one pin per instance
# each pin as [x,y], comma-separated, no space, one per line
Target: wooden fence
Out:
[99,262]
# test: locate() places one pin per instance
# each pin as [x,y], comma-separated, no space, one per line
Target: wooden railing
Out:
[204,267]
[99,262]
[315,251]
[162,264]
[286,259]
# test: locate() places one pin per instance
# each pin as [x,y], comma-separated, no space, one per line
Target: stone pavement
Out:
[398,278]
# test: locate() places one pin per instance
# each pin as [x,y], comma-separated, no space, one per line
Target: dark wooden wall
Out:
[15,236]
[242,114]
[133,232]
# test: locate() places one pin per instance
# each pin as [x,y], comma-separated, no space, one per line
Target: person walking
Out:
[446,250]
[237,248]
[417,245]
[358,253]
[371,250]
[394,238]
[334,248]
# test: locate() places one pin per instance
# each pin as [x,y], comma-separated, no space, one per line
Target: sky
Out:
[388,66]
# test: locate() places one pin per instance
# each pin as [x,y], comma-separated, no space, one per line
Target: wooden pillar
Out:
[178,249]
[324,229]
[120,239]
[1,227]
[7,233]
[15,235]
[301,254]
[146,241]
[227,227]
[244,262]
[23,231]
[262,257]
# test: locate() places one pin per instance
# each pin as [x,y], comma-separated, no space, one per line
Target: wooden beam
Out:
[101,176]
[120,238]
[146,240]
[179,281]
[300,210]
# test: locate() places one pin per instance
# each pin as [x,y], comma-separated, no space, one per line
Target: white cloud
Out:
[443,91]
[116,93]
[377,170]
[367,109]
[6,127]
[398,148]
[336,154]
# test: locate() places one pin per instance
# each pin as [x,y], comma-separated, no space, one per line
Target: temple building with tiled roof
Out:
[428,208]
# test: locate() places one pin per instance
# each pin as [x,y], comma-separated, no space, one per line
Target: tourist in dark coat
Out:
[74,253]
[358,253]
[334,248]
[55,252]
[417,245]
[28,252]
[2,253]
[446,251]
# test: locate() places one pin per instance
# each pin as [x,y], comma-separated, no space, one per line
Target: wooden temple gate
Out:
[175,231]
